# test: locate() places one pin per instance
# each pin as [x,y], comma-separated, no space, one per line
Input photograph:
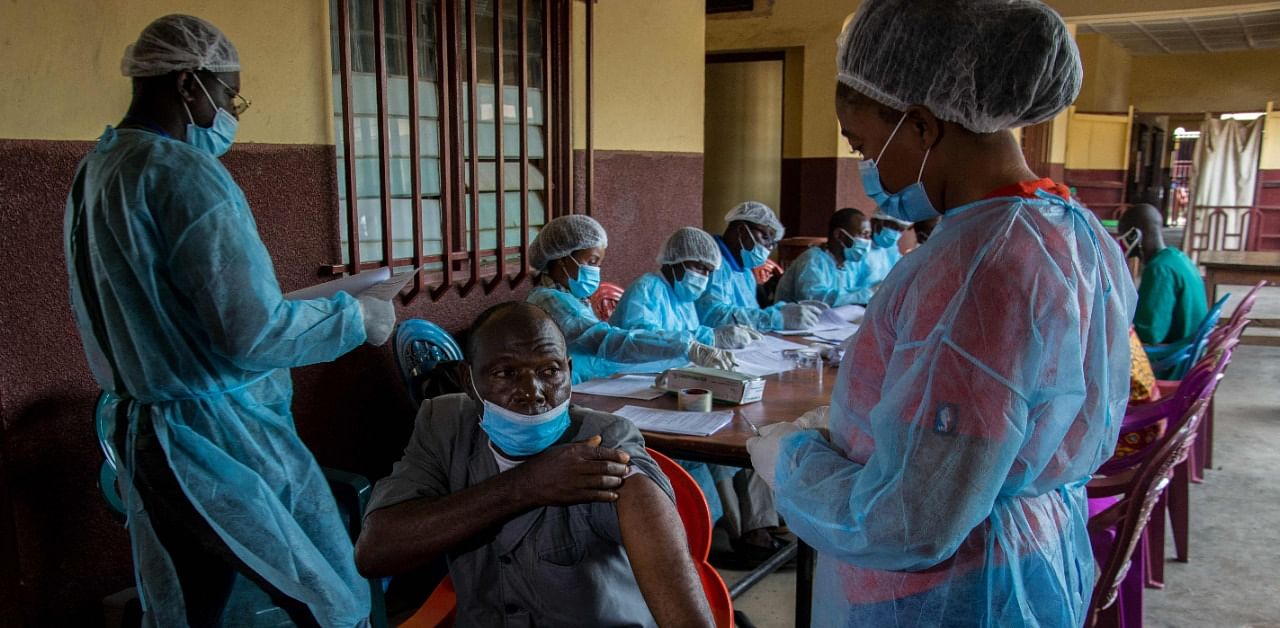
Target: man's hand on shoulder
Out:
[576,473]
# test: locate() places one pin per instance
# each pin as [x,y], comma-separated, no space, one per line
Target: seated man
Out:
[730,297]
[884,253]
[548,514]
[1171,297]
[829,273]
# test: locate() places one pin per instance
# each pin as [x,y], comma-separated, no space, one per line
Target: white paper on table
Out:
[838,335]
[760,363]
[626,387]
[850,313]
[676,422]
[771,344]
[377,283]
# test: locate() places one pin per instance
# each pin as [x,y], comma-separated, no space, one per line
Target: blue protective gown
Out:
[730,298]
[650,303]
[986,384]
[202,339]
[599,349]
[815,276]
[876,265]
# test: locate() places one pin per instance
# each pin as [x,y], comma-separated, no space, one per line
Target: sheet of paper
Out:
[626,387]
[351,284]
[850,313]
[838,335]
[388,289]
[676,422]
[769,343]
[760,363]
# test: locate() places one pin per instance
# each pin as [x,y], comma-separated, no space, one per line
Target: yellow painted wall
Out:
[744,138]
[808,25]
[1220,82]
[1270,157]
[1106,74]
[61,64]
[1097,141]
[648,66]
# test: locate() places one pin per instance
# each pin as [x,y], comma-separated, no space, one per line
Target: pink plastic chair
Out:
[1116,530]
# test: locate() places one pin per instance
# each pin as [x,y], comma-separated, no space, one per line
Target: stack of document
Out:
[764,357]
[676,422]
[377,283]
[626,387]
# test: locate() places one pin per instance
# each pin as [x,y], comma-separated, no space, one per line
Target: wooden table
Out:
[786,397]
[1240,268]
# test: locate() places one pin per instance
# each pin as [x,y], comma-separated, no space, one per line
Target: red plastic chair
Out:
[696,517]
[605,300]
[440,610]
[1117,531]
[766,271]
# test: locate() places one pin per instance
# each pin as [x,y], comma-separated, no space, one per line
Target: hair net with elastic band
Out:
[988,65]
[564,235]
[758,213]
[175,43]
[690,244]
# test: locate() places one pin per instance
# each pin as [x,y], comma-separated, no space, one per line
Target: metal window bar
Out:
[557,19]
[500,163]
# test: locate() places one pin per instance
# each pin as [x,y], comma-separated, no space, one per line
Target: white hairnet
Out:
[563,236]
[880,215]
[758,213]
[690,244]
[179,42]
[988,65]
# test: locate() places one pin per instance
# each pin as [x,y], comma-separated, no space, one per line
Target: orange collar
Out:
[1028,189]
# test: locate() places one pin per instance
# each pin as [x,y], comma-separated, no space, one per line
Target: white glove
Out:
[822,306]
[815,419]
[799,316]
[735,336]
[379,318]
[710,357]
[764,449]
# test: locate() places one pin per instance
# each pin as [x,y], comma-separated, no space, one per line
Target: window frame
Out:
[462,260]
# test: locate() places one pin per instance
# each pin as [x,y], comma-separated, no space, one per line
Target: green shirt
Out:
[1171,299]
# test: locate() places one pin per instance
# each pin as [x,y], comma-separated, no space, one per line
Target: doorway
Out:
[743,133]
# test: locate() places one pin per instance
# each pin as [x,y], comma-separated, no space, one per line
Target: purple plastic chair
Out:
[1116,530]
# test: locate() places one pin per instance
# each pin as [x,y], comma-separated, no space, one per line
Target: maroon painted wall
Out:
[1099,190]
[60,552]
[815,187]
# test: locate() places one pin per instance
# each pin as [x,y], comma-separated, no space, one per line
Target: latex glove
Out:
[799,316]
[379,319]
[764,449]
[815,419]
[821,305]
[710,357]
[735,336]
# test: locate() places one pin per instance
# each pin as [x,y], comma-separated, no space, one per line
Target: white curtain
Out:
[1225,174]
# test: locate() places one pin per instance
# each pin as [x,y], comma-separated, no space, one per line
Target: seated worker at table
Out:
[567,255]
[548,514]
[664,301]
[829,273]
[1171,297]
[884,254]
[730,298]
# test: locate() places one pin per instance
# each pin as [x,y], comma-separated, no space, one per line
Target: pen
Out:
[753,425]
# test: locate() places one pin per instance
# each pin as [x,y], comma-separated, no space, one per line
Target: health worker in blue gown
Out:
[991,373]
[184,325]
[833,273]
[567,255]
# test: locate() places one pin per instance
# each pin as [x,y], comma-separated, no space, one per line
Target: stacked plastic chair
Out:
[1117,530]
[420,347]
[1233,328]
[605,300]
[1171,361]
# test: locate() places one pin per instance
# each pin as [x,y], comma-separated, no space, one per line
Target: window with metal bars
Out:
[411,188]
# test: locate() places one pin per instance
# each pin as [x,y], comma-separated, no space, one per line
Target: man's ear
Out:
[568,360]
[186,86]
[467,381]
[925,126]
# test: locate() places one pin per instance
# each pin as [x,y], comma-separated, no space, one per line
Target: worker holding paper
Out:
[184,326]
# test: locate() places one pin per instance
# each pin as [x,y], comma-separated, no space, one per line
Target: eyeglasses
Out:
[1130,240]
[240,103]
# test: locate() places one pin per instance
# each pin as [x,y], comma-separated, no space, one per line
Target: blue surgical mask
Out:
[856,251]
[218,137]
[887,238]
[755,256]
[523,434]
[910,204]
[691,287]
[588,280]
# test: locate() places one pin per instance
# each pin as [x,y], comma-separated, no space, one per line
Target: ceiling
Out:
[1226,32]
